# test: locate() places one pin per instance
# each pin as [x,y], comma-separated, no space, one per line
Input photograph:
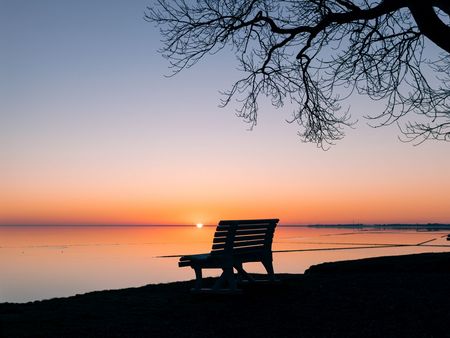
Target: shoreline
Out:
[390,296]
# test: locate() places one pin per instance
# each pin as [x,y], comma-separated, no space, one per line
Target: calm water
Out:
[45,262]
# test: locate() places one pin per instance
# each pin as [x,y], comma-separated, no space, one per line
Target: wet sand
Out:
[402,296]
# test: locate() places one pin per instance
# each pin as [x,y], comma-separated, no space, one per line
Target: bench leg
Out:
[198,278]
[269,268]
[242,274]
[231,278]
[226,276]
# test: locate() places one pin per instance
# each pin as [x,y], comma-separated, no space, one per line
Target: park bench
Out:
[235,242]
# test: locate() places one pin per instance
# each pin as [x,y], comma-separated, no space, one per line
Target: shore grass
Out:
[401,296]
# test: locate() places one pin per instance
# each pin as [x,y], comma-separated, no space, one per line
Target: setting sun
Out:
[199,225]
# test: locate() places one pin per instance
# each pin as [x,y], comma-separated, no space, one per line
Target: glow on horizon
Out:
[350,193]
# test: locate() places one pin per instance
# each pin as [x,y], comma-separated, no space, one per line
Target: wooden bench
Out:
[235,242]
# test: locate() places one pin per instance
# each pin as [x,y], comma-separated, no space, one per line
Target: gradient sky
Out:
[91,132]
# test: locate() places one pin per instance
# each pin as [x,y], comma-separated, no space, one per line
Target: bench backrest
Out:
[240,237]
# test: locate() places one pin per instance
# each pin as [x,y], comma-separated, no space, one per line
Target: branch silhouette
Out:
[315,54]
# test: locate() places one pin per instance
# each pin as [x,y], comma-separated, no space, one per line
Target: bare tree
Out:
[316,53]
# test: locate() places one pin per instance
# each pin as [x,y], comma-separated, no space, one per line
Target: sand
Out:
[404,296]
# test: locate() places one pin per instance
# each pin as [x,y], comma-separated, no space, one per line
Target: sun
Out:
[199,225]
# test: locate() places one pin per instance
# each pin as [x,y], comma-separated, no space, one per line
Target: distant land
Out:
[418,226]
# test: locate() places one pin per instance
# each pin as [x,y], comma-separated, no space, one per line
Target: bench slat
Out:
[248,249]
[239,232]
[221,233]
[238,239]
[219,240]
[239,244]
[245,226]
[241,238]
[251,232]
[250,221]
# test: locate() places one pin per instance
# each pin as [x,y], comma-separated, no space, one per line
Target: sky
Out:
[93,132]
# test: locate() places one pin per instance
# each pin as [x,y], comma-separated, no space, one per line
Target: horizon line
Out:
[428,224]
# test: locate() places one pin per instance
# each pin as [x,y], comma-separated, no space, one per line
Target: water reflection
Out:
[44,262]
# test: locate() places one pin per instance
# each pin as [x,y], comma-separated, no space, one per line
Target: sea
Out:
[43,262]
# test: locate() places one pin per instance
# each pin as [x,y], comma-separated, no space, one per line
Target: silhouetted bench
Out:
[235,242]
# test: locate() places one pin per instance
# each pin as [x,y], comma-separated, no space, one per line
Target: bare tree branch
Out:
[316,53]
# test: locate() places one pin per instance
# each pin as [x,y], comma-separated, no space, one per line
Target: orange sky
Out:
[347,192]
